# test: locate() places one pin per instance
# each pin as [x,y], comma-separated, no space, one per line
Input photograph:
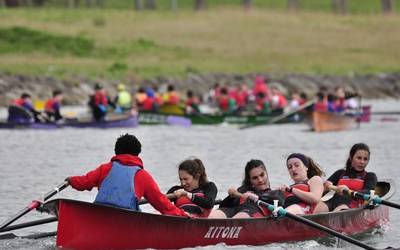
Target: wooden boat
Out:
[83,225]
[327,121]
[121,121]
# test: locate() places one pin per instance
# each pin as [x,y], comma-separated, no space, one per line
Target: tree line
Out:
[337,6]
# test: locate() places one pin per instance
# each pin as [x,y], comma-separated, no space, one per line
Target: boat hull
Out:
[147,118]
[83,225]
[326,121]
[125,122]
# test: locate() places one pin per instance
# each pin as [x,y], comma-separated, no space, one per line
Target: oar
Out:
[282,116]
[144,201]
[31,236]
[170,197]
[328,195]
[282,212]
[29,224]
[367,197]
[34,204]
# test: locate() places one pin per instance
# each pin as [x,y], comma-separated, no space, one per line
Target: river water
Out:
[33,162]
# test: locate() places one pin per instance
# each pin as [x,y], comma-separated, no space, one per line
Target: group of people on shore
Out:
[123,181]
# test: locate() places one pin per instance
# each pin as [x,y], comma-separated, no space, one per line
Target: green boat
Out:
[151,118]
[174,115]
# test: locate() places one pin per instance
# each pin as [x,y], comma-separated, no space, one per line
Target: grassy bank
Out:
[123,43]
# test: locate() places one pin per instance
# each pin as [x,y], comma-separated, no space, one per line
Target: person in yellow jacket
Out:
[123,100]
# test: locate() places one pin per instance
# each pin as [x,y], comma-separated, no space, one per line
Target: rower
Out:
[123,181]
[255,186]
[353,177]
[196,195]
[302,196]
[21,110]
[52,106]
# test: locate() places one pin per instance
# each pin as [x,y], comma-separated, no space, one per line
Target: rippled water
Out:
[33,162]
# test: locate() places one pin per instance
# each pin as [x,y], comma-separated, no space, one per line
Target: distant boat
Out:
[112,121]
[327,121]
[89,226]
[153,118]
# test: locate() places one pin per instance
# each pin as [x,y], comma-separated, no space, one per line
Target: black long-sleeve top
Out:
[208,189]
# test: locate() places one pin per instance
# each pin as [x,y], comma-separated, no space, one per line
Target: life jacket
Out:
[308,208]
[302,186]
[223,103]
[49,106]
[148,104]
[18,102]
[240,98]
[100,99]
[171,98]
[186,204]
[140,98]
[124,99]
[118,188]
[264,212]
[356,183]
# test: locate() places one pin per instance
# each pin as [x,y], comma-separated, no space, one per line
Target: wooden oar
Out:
[282,116]
[34,204]
[282,212]
[367,197]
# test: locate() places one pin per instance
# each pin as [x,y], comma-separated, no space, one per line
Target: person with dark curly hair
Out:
[196,195]
[123,181]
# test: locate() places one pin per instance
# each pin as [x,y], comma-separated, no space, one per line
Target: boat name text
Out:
[223,232]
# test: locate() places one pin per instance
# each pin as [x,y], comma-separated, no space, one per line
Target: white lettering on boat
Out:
[223,232]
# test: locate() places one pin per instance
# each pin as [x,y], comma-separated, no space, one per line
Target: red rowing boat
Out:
[83,225]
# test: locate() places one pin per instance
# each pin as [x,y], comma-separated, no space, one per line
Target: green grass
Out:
[23,40]
[354,6]
[113,42]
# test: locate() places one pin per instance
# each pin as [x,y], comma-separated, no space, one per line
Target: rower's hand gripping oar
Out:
[282,212]
[35,204]
[375,199]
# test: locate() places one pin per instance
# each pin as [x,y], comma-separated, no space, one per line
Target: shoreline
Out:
[76,90]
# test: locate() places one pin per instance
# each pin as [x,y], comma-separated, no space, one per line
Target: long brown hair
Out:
[195,168]
[353,151]
[252,164]
[313,168]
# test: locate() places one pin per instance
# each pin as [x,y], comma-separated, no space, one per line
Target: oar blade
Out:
[7,236]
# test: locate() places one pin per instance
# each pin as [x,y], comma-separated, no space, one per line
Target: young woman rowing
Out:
[304,194]
[254,186]
[196,195]
[353,177]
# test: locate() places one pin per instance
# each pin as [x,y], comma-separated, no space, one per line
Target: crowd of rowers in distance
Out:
[261,99]
[195,195]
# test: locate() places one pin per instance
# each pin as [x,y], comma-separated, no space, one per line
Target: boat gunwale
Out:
[387,182]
